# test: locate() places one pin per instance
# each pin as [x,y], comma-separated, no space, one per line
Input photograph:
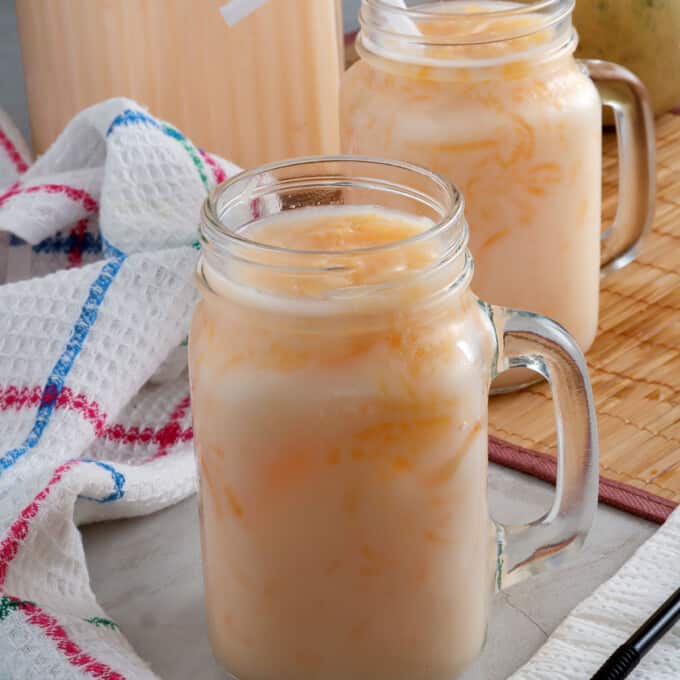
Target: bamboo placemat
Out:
[634,364]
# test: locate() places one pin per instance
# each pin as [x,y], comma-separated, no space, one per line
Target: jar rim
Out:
[214,232]
[320,182]
[387,31]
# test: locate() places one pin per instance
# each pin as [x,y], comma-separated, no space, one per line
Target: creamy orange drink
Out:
[343,461]
[340,368]
[489,95]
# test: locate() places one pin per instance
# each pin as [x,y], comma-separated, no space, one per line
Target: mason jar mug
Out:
[340,369]
[488,94]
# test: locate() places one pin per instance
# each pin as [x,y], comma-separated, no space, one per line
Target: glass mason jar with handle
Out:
[340,369]
[488,94]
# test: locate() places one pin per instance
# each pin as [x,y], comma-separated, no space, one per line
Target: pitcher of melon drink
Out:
[253,80]
[340,370]
[489,95]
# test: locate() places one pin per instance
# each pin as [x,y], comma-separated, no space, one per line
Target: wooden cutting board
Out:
[634,363]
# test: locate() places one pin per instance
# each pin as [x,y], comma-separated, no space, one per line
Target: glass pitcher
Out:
[259,85]
[489,94]
[340,369]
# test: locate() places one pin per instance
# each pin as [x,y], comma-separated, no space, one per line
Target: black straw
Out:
[626,658]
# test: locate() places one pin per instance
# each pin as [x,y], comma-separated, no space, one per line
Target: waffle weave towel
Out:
[97,261]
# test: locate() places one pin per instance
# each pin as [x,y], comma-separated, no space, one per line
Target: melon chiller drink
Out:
[340,369]
[489,95]
[257,86]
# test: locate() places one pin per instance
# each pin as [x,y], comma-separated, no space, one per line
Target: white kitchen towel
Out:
[613,613]
[97,252]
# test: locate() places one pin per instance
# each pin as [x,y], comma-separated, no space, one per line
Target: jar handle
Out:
[531,341]
[625,93]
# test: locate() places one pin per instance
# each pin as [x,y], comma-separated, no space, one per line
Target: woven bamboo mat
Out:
[634,364]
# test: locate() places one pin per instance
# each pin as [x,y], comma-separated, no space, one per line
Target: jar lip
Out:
[427,11]
[383,31]
[214,232]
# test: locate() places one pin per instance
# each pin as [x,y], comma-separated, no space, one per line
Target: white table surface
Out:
[146,572]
